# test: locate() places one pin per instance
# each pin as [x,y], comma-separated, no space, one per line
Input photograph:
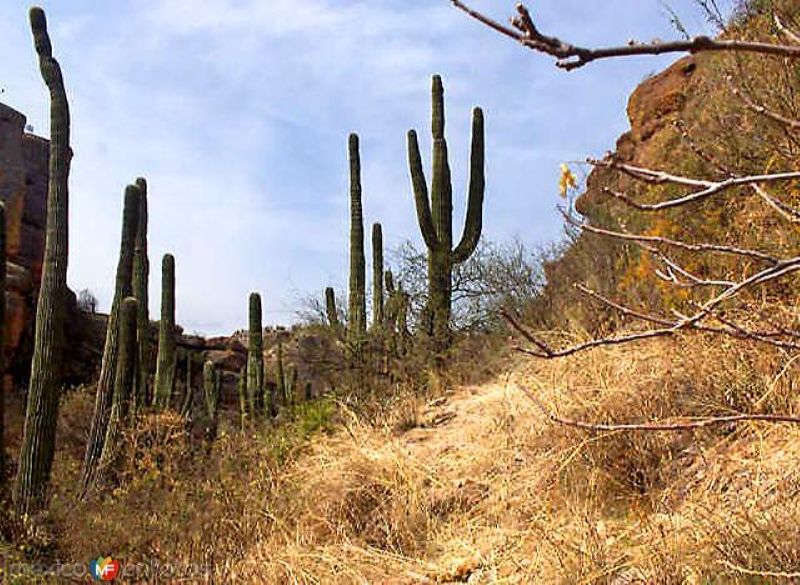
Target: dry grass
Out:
[486,491]
[474,485]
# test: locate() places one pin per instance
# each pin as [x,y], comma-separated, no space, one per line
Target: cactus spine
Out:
[2,351]
[38,441]
[255,357]
[165,363]
[330,308]
[435,215]
[141,277]
[356,308]
[105,383]
[377,275]
[123,382]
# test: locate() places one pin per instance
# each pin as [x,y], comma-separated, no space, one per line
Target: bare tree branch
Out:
[788,212]
[701,247]
[707,188]
[789,34]
[688,425]
[684,322]
[731,329]
[569,56]
[791,124]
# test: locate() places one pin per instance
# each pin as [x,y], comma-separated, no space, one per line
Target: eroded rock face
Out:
[23,190]
[653,109]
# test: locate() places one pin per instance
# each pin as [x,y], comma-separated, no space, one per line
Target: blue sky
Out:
[238,111]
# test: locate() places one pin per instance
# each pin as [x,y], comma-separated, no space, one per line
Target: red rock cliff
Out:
[23,189]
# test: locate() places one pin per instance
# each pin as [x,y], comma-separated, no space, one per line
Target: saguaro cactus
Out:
[123,382]
[211,387]
[377,275]
[188,395]
[280,379]
[105,383]
[330,308]
[38,440]
[435,215]
[141,277]
[357,305]
[2,352]
[241,386]
[255,357]
[165,362]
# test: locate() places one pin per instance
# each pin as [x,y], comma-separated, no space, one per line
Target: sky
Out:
[237,112]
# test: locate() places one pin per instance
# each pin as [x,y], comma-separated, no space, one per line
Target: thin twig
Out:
[569,56]
[791,35]
[789,123]
[707,188]
[658,427]
[701,247]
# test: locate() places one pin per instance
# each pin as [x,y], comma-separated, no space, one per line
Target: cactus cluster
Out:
[122,289]
[123,382]
[435,213]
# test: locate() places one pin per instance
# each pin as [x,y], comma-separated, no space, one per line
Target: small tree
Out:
[87,302]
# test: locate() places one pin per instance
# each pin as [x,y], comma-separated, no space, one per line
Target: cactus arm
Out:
[420,187]
[477,187]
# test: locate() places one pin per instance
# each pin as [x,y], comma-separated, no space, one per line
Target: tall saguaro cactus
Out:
[357,302]
[165,362]
[38,440]
[211,389]
[255,357]
[435,214]
[281,391]
[123,383]
[141,277]
[105,383]
[377,275]
[241,387]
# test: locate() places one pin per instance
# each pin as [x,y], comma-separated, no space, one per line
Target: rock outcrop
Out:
[23,190]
